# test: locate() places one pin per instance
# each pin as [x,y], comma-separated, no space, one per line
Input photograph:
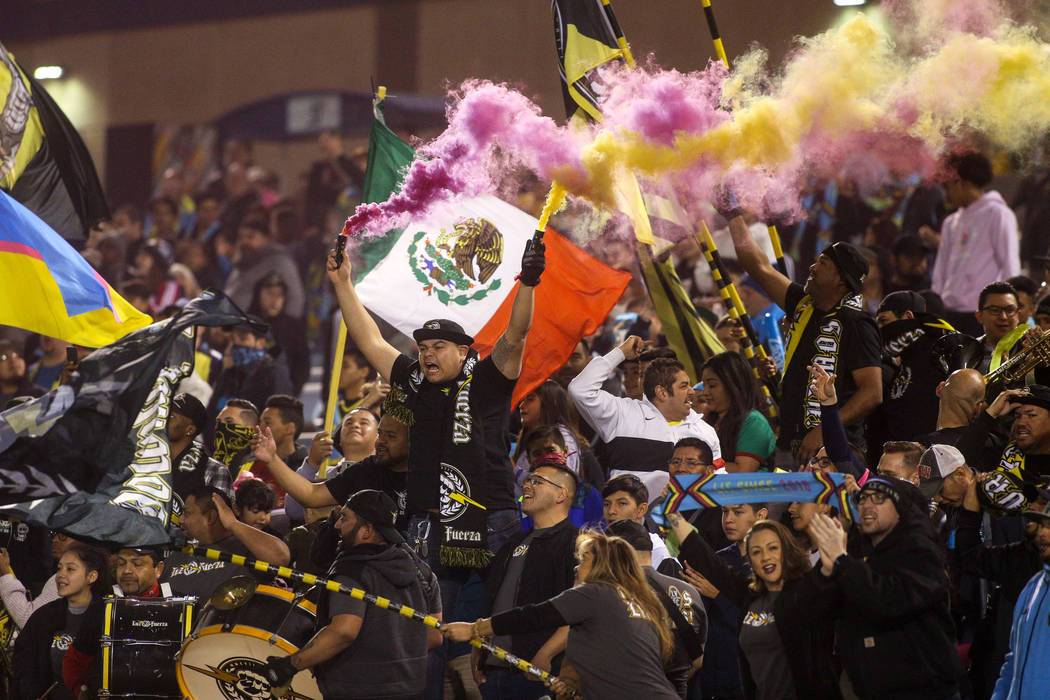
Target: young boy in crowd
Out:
[625,497]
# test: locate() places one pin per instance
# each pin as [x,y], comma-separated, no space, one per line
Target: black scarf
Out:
[446,459]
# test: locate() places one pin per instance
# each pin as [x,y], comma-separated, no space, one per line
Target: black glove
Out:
[279,671]
[533,262]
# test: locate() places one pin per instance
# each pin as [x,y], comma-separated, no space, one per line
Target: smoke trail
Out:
[859,101]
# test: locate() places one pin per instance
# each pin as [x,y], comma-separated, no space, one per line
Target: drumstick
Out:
[378,601]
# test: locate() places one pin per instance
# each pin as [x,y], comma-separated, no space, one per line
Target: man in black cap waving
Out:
[460,480]
[828,327]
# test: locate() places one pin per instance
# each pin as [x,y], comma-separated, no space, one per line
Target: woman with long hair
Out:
[733,398]
[785,636]
[81,578]
[619,633]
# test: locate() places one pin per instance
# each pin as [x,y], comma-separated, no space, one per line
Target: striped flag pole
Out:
[360,594]
[753,349]
[720,49]
[712,25]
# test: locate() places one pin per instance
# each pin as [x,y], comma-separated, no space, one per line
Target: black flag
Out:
[92,458]
[44,163]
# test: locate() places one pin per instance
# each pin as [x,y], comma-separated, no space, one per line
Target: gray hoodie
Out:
[389,657]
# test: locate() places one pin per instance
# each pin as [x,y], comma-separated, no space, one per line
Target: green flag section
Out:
[691,338]
[388,156]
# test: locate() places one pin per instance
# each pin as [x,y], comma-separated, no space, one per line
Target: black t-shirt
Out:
[490,397]
[368,474]
[910,404]
[842,341]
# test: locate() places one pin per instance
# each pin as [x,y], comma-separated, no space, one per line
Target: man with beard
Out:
[384,471]
[1025,672]
[1019,464]
[910,258]
[137,572]
[828,327]
[360,650]
[910,404]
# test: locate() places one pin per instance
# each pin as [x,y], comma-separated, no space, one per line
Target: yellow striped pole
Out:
[360,594]
[720,49]
[753,349]
[712,25]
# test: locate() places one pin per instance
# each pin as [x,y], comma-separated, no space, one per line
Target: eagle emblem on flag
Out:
[458,266]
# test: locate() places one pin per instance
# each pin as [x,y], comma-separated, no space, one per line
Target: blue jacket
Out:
[1026,673]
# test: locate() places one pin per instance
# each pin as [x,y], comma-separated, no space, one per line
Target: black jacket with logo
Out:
[549,569]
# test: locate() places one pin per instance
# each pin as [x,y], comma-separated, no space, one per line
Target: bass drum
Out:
[139,639]
[225,655]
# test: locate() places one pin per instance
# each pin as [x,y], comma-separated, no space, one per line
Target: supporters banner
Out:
[91,458]
[691,491]
[49,288]
[44,163]
[461,265]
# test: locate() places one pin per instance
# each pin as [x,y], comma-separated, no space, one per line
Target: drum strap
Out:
[165,590]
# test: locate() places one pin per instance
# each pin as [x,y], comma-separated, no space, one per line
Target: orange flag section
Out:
[573,298]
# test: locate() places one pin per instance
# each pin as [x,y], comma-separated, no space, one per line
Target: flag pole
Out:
[340,344]
[720,49]
[753,349]
[370,598]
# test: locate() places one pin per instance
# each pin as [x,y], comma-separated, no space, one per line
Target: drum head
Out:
[229,667]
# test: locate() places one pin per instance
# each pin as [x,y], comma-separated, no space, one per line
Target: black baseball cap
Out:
[1035,395]
[442,329]
[903,301]
[190,406]
[910,244]
[851,263]
[377,508]
[634,533]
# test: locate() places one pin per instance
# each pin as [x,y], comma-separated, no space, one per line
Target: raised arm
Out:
[306,493]
[510,347]
[360,325]
[599,408]
[755,262]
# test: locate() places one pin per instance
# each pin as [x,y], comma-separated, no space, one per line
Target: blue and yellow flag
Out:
[49,288]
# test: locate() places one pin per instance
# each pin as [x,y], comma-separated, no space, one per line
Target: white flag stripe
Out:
[421,279]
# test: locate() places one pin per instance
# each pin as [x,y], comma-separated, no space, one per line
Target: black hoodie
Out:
[389,656]
[895,634]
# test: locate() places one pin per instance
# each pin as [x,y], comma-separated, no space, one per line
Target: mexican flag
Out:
[461,266]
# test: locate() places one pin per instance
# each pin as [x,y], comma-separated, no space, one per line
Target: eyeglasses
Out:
[822,462]
[874,496]
[535,480]
[1000,310]
[5,356]
[691,463]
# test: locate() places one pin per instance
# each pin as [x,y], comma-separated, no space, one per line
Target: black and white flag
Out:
[91,458]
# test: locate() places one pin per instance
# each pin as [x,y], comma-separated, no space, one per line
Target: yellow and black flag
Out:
[44,164]
[587,37]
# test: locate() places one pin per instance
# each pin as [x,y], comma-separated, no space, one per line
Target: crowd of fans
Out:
[887,364]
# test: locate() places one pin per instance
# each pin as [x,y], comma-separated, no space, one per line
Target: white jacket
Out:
[639,438]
